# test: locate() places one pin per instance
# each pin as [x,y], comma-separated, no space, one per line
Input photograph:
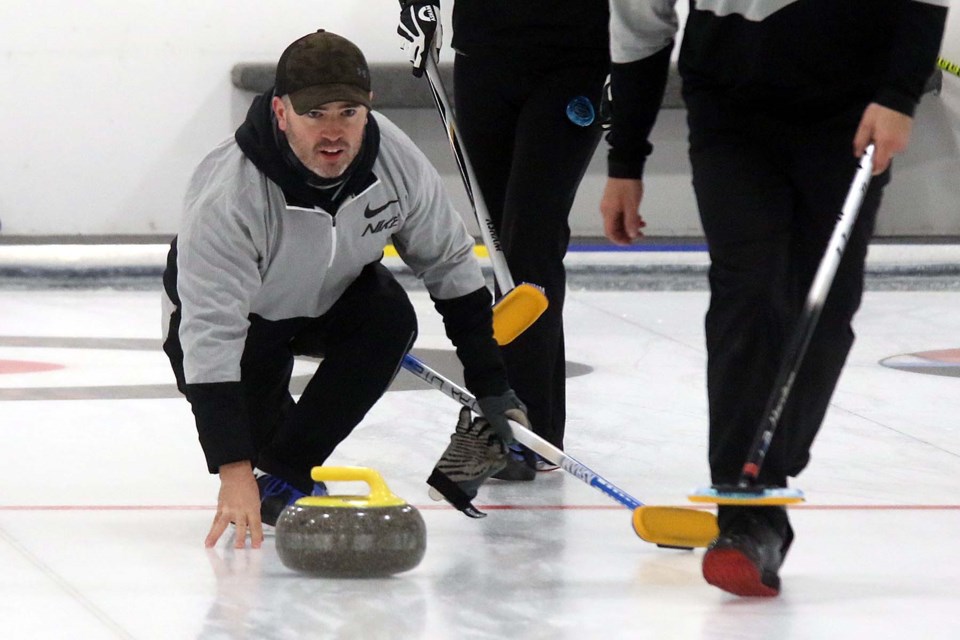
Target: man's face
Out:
[326,139]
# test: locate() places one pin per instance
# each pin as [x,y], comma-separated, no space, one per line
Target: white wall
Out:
[106,105]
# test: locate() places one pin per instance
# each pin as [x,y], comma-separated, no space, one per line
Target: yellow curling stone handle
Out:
[379,496]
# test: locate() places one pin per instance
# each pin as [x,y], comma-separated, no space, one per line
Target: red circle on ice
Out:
[942,362]
[25,366]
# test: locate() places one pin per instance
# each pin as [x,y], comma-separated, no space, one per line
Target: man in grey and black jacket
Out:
[279,255]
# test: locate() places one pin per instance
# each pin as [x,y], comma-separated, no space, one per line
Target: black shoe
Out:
[521,465]
[276,494]
[745,558]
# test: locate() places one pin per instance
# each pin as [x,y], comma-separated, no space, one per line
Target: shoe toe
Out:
[733,567]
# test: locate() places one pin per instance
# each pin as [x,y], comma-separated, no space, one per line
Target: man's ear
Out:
[280,112]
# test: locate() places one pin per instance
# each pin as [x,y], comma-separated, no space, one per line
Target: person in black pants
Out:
[518,67]
[782,98]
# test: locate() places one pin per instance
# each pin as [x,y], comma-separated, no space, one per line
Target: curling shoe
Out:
[521,465]
[745,558]
[276,494]
[543,465]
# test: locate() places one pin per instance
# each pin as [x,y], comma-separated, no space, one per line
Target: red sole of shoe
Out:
[730,570]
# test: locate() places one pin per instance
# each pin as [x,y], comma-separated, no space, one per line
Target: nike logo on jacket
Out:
[370,213]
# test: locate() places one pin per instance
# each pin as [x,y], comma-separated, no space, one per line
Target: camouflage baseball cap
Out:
[323,67]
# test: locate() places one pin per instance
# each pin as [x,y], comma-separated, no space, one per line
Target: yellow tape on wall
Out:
[949,67]
[479,250]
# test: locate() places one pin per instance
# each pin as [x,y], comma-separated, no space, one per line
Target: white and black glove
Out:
[606,106]
[420,30]
[499,409]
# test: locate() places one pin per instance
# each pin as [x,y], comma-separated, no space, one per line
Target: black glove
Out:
[498,409]
[420,29]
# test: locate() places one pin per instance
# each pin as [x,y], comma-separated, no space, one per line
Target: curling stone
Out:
[351,536]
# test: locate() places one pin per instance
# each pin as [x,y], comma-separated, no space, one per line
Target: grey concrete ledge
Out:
[889,267]
[395,87]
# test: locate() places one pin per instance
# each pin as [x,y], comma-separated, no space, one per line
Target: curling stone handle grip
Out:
[379,492]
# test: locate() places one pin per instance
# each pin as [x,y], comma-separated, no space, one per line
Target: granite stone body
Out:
[347,541]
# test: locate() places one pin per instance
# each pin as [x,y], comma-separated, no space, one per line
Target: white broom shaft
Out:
[841,233]
[523,435]
[497,258]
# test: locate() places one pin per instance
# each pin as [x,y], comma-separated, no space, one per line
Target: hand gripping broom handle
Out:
[500,270]
[807,322]
[522,434]
[664,526]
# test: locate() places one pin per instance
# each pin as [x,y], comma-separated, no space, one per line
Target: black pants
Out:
[529,159]
[769,194]
[362,340]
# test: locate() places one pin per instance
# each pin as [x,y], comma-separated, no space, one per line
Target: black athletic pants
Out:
[529,159]
[769,194]
[362,340]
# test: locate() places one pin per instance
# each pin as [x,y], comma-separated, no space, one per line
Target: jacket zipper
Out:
[333,238]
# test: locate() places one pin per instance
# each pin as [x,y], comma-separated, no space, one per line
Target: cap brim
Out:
[313,97]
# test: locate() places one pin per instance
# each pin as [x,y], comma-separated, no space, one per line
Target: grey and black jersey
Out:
[802,60]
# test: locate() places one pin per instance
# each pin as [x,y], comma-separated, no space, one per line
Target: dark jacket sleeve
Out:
[222,423]
[468,321]
[913,55]
[637,92]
